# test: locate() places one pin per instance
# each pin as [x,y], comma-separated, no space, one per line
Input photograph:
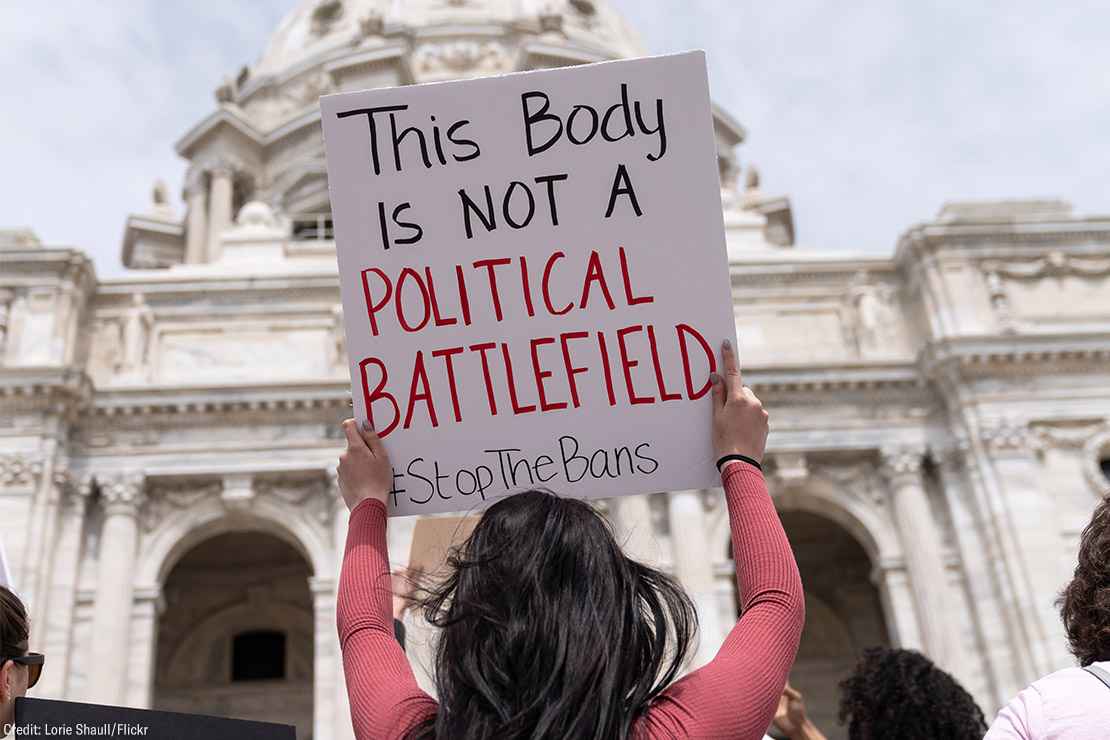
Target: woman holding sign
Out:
[549,631]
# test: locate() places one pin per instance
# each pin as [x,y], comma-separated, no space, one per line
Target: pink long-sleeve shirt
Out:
[732,696]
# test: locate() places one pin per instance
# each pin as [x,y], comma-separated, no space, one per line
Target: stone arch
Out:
[178,534]
[842,540]
[226,586]
[863,519]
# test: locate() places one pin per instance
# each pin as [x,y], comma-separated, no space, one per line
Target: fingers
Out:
[730,367]
[718,384]
[371,438]
[354,438]
[791,693]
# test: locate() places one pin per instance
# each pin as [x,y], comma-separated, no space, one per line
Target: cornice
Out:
[28,266]
[965,236]
[150,400]
[869,376]
[1010,353]
[23,387]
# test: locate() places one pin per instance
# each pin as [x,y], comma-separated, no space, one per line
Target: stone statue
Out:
[137,325]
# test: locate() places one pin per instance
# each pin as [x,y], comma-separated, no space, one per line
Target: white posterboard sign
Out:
[534,279]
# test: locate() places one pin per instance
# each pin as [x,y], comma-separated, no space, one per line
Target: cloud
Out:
[869,115]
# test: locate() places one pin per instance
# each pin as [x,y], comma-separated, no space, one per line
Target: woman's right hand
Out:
[739,421]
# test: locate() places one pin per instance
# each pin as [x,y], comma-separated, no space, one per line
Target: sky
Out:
[868,115]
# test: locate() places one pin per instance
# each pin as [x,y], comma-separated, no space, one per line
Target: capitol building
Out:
[168,439]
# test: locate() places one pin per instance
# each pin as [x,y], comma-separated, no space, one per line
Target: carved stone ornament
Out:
[164,500]
[1005,435]
[314,496]
[902,465]
[461,57]
[122,493]
[857,480]
[371,24]
[19,470]
[1054,264]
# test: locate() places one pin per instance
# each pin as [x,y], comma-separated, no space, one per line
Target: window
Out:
[313,227]
[258,656]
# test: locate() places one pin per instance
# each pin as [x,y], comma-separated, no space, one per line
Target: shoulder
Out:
[1067,700]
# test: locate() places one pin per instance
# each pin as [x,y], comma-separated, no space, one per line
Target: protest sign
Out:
[47,717]
[534,279]
[432,540]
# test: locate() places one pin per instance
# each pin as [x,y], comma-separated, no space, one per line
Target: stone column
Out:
[634,528]
[121,496]
[899,607]
[6,297]
[219,209]
[196,227]
[36,578]
[58,627]
[326,658]
[693,566]
[921,546]
[342,728]
[146,610]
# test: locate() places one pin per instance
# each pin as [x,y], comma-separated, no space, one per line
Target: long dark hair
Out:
[549,630]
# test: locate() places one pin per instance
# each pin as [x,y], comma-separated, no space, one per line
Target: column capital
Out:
[901,465]
[122,493]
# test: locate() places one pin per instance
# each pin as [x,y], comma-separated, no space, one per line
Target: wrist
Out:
[724,461]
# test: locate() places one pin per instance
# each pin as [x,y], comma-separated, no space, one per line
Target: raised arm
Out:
[385,698]
[735,694]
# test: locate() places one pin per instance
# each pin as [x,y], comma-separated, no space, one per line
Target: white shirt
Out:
[1067,705]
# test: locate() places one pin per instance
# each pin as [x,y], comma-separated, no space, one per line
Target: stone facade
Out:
[941,416]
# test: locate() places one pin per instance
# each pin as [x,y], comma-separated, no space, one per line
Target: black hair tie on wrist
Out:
[741,458]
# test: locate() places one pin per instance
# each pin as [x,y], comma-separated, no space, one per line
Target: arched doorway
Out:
[843,612]
[236,637]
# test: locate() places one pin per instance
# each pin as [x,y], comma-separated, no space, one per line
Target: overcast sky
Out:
[868,115]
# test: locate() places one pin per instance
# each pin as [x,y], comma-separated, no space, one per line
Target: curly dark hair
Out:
[1085,603]
[902,694]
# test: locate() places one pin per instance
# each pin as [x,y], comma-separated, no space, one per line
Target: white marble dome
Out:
[317,27]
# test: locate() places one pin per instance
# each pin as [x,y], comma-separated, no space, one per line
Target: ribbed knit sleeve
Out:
[735,695]
[385,699]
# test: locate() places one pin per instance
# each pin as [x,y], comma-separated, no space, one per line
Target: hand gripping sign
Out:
[534,279]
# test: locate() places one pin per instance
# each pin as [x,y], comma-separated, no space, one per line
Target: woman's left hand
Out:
[364,469]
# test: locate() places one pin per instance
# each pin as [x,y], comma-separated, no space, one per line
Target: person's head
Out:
[1085,603]
[18,671]
[902,694]
[548,630]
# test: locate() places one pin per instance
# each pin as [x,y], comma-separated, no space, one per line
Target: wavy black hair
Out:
[548,630]
[1085,603]
[902,694]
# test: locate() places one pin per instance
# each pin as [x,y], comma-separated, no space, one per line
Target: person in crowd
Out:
[19,669]
[902,694]
[549,630]
[1073,704]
